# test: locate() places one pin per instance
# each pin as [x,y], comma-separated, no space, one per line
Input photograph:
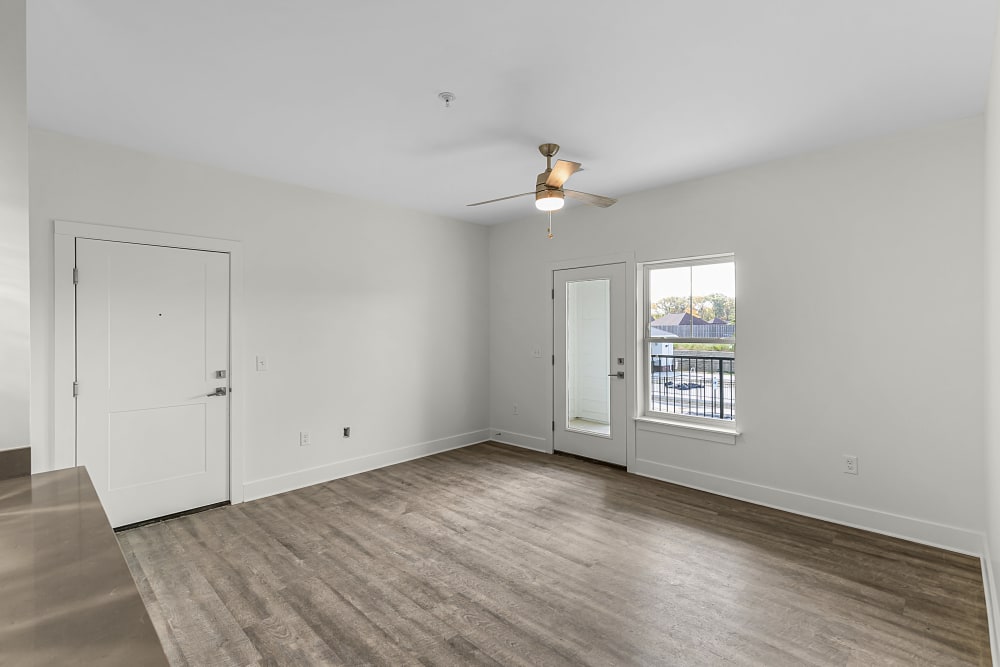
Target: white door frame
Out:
[631,349]
[64,360]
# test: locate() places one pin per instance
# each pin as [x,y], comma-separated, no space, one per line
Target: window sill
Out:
[721,435]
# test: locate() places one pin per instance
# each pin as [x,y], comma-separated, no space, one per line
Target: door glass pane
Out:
[588,356]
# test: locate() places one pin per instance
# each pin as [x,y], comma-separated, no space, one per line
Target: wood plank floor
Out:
[496,555]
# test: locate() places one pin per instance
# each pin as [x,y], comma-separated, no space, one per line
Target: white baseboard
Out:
[959,540]
[270,486]
[520,440]
[989,584]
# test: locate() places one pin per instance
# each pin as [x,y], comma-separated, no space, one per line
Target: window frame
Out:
[647,413]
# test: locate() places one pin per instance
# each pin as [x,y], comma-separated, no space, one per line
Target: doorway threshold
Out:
[590,460]
[168,517]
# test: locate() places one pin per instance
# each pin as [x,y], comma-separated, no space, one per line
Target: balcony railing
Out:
[702,386]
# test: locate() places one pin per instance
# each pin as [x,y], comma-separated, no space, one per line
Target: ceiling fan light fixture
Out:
[549,192]
[549,200]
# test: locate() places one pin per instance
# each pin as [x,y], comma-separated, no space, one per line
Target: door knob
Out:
[620,375]
[219,391]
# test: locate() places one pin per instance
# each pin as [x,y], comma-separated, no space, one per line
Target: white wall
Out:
[992,309]
[872,253]
[370,316]
[14,272]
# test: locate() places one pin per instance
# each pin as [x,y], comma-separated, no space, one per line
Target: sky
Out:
[707,279]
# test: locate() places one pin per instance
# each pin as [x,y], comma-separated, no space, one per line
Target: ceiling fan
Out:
[549,192]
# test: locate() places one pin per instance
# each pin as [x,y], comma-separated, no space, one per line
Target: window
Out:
[690,337]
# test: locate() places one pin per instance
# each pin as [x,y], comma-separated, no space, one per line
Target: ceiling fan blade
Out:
[490,201]
[562,171]
[593,200]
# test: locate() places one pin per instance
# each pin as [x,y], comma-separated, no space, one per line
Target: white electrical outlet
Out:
[515,408]
[850,464]
[305,438]
[261,363]
[536,351]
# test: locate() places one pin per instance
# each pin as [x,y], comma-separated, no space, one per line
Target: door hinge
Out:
[76,275]
[76,388]
[553,425]
[553,360]
[553,293]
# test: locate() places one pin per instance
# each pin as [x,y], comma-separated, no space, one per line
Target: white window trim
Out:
[712,433]
[718,430]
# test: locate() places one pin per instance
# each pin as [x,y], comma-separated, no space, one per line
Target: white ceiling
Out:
[341,95]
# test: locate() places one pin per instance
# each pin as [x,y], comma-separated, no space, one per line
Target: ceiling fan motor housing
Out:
[544,190]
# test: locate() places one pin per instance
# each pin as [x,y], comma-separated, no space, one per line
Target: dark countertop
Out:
[66,594]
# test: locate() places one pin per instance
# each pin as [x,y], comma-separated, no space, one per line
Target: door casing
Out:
[64,361]
[633,360]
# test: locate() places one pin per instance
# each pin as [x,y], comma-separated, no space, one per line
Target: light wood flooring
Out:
[496,555]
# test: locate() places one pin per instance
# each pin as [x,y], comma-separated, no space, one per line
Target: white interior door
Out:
[589,345]
[152,335]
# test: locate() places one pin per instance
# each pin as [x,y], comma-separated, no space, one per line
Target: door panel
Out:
[152,332]
[589,353]
[150,314]
[182,426]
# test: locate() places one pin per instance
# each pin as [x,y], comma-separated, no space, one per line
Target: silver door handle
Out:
[620,375]
[219,391]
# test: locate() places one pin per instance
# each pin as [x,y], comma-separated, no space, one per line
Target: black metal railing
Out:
[702,386]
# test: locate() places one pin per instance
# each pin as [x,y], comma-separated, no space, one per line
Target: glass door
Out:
[589,368]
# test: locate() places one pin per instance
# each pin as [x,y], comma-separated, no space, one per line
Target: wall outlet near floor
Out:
[305,438]
[850,464]
[515,408]
[347,431]
[261,363]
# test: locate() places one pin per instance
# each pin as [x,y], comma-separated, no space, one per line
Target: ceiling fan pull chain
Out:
[550,224]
